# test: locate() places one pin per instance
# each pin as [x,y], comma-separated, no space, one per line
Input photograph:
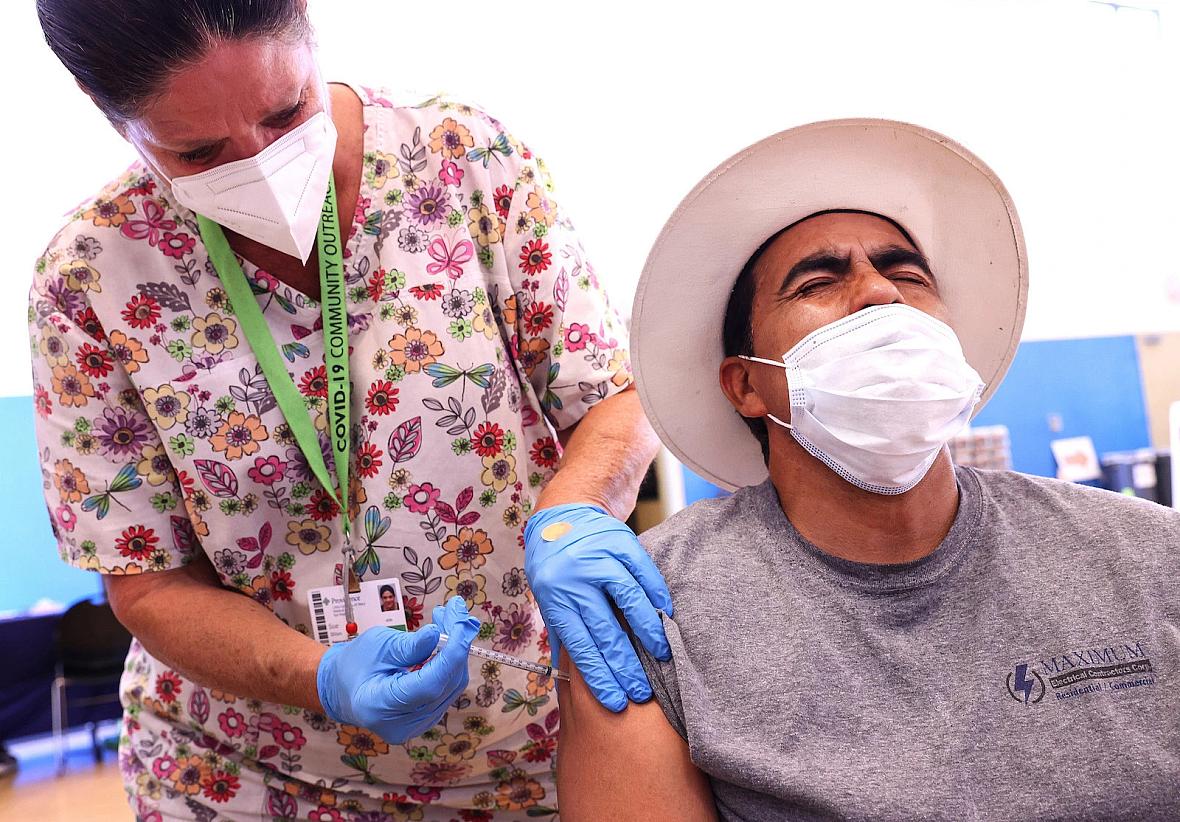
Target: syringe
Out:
[512,661]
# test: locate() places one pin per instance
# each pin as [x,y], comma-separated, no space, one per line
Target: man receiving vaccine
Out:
[865,631]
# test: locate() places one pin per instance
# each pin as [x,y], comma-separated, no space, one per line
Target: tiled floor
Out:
[86,793]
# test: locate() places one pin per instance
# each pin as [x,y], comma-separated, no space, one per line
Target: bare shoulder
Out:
[630,765]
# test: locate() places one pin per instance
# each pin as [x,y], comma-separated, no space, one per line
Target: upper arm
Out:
[115,503]
[631,765]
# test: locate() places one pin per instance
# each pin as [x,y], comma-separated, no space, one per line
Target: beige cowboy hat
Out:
[953,205]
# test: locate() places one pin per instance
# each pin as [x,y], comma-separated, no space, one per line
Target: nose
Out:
[868,287]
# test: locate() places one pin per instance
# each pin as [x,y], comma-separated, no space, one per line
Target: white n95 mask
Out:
[274,197]
[876,395]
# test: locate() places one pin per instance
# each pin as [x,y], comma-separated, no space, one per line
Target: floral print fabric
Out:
[478,329]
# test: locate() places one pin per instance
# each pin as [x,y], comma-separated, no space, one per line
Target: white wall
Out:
[630,103]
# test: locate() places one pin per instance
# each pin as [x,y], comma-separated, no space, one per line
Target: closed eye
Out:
[910,278]
[287,117]
[812,286]
[198,155]
[908,273]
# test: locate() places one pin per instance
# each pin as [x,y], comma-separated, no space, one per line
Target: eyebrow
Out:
[882,258]
[891,256]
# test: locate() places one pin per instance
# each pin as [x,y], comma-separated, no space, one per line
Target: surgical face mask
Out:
[274,197]
[876,395]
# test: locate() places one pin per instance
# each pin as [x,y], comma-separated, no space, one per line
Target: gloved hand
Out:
[365,682]
[575,572]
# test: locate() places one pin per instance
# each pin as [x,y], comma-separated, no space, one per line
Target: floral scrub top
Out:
[478,328]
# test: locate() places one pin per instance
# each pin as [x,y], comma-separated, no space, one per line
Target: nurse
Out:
[323,338]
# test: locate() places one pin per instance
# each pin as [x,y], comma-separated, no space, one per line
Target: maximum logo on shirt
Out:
[1076,673]
[1023,683]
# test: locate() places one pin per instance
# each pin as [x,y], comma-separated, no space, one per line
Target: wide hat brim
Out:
[953,206]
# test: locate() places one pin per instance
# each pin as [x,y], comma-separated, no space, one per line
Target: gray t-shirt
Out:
[1026,669]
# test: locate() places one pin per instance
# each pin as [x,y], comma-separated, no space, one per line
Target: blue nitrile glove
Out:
[365,682]
[575,572]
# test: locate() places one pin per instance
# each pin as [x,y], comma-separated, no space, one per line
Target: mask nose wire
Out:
[780,365]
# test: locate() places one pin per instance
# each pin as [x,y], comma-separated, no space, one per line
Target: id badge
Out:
[379,602]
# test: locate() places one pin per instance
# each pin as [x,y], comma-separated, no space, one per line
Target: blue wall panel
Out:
[697,487]
[30,568]
[1092,385]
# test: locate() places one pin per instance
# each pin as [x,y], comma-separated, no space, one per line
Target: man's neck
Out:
[857,525]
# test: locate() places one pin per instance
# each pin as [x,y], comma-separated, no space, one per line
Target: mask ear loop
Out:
[778,363]
[782,365]
[780,422]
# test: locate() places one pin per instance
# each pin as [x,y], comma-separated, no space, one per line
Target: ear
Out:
[734,376]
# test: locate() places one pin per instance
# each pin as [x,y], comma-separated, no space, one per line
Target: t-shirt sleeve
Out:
[665,686]
[115,504]
[567,338]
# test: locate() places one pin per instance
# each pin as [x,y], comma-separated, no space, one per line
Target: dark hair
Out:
[122,52]
[737,331]
[385,588]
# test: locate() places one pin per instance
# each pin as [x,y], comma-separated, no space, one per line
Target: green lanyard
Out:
[290,401]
